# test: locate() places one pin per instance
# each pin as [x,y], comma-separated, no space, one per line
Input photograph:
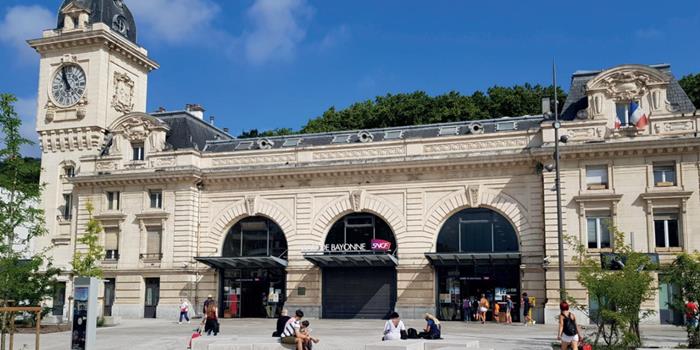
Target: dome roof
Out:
[114,13]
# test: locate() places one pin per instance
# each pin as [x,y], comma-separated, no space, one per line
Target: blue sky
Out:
[276,63]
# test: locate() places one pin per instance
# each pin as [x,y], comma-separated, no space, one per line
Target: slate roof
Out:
[577,99]
[104,11]
[378,135]
[188,131]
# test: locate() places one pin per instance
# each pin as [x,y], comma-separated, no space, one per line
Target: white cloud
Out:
[278,27]
[175,21]
[22,23]
[335,37]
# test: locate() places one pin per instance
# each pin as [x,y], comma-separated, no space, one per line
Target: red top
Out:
[691,309]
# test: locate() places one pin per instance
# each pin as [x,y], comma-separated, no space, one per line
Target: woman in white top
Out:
[393,328]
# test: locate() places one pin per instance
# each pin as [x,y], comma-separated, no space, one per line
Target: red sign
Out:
[380,245]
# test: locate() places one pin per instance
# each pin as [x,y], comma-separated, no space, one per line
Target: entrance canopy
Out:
[464,259]
[355,259]
[243,262]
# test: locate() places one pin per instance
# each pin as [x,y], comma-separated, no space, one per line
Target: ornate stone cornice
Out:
[190,175]
[635,147]
[96,35]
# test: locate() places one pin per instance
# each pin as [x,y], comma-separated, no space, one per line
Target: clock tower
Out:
[92,71]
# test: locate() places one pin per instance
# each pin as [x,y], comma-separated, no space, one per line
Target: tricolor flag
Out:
[636,115]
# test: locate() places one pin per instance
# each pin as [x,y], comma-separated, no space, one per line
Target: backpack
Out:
[412,333]
[570,328]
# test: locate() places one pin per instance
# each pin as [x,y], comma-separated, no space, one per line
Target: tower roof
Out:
[114,13]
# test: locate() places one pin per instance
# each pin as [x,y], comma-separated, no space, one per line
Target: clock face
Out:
[68,85]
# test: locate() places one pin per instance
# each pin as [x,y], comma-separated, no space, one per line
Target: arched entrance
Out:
[252,275]
[358,263]
[477,252]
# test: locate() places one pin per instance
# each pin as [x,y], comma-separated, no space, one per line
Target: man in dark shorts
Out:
[526,309]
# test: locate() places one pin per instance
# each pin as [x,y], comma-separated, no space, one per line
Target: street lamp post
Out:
[557,180]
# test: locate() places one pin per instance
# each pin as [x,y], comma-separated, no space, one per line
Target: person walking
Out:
[466,310]
[691,313]
[509,310]
[210,299]
[569,333]
[393,328]
[483,308]
[525,302]
[211,324]
[184,310]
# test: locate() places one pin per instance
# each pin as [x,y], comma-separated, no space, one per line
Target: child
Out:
[306,331]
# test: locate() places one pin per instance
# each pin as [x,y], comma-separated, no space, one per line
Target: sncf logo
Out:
[380,245]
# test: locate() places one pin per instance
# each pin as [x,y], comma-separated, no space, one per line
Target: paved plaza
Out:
[334,334]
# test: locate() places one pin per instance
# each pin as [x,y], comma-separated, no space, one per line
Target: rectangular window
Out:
[598,228]
[113,200]
[153,244]
[664,174]
[138,151]
[666,231]
[69,171]
[156,199]
[597,177]
[111,243]
[67,206]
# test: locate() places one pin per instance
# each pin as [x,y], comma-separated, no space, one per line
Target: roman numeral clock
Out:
[68,85]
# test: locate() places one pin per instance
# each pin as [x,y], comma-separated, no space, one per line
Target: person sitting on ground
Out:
[309,341]
[432,328]
[281,322]
[393,328]
[569,333]
[292,331]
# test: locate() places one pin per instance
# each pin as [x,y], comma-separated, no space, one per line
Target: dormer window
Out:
[138,151]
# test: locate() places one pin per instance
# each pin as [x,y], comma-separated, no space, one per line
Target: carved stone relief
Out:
[356,199]
[123,98]
[473,195]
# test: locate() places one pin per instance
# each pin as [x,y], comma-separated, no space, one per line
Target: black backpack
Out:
[412,333]
[570,328]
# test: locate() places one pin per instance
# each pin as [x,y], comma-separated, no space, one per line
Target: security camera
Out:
[546,259]
[564,138]
[549,167]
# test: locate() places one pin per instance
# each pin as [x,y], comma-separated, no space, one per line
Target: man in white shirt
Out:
[292,334]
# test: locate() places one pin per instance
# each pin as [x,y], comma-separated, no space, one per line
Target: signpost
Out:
[84,313]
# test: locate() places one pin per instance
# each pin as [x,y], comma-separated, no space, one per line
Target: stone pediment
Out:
[628,82]
[137,126]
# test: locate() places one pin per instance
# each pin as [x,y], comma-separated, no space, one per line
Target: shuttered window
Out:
[111,238]
[154,240]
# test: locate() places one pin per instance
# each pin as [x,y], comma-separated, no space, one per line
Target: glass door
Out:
[152,297]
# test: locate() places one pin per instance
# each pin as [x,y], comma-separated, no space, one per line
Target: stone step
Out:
[203,342]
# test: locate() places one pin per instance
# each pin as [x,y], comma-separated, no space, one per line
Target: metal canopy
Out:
[352,260]
[243,262]
[464,259]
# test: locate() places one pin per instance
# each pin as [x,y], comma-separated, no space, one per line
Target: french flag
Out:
[637,116]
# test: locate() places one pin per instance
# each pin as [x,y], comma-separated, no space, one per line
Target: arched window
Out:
[477,231]
[358,230]
[255,236]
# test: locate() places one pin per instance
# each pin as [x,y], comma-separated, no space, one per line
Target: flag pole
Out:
[557,158]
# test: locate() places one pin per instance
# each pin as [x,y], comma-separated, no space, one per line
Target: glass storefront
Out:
[253,293]
[477,253]
[248,290]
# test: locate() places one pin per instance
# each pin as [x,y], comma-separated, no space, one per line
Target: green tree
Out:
[86,264]
[619,292]
[26,278]
[253,133]
[419,108]
[685,273]
[691,85]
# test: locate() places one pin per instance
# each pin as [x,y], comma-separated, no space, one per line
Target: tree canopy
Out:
[691,85]
[418,108]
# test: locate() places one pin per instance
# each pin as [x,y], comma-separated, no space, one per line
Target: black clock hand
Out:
[65,79]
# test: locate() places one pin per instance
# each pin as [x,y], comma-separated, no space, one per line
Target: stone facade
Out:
[413,184]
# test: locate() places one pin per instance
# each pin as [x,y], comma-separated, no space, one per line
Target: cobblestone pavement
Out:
[334,334]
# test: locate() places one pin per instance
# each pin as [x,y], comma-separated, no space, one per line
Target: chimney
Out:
[196,110]
[161,110]
[211,120]
[226,130]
